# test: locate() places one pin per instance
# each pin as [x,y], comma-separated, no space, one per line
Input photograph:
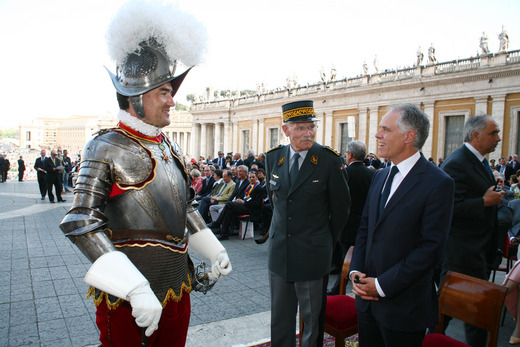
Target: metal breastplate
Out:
[159,205]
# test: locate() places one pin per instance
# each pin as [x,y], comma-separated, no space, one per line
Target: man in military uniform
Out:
[132,214]
[310,199]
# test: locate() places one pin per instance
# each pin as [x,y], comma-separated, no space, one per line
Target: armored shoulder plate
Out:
[174,145]
[131,163]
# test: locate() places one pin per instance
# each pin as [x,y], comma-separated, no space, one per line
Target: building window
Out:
[28,136]
[454,134]
[347,134]
[245,141]
[273,137]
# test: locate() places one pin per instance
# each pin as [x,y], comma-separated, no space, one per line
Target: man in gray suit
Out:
[310,199]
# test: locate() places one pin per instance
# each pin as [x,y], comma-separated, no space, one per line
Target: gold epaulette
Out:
[332,150]
[274,148]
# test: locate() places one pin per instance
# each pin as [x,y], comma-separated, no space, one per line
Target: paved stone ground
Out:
[43,297]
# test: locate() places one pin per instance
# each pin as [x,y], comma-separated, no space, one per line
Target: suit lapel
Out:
[283,166]
[409,182]
[478,166]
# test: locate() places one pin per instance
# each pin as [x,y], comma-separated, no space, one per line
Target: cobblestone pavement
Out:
[43,298]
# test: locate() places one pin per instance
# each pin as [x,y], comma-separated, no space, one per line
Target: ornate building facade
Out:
[72,133]
[351,108]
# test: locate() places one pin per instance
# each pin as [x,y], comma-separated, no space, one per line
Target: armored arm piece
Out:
[111,271]
[203,242]
[83,223]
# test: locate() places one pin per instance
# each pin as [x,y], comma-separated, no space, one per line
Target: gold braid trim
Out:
[170,296]
[152,245]
[297,112]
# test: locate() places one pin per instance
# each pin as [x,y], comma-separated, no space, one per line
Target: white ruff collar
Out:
[138,125]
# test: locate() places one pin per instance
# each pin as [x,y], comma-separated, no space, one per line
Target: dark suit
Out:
[359,178]
[472,241]
[239,189]
[307,219]
[375,163]
[470,244]
[512,168]
[3,168]
[21,169]
[252,206]
[207,186]
[221,162]
[53,177]
[260,164]
[249,161]
[238,162]
[42,182]
[401,247]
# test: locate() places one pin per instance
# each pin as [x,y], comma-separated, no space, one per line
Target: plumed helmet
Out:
[148,41]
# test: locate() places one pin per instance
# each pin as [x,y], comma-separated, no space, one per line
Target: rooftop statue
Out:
[504,40]
[420,56]
[484,44]
[431,55]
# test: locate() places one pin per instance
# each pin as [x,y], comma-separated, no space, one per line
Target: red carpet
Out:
[328,341]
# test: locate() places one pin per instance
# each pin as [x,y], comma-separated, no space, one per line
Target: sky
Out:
[54,51]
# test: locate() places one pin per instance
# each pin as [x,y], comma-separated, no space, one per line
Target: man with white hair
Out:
[132,214]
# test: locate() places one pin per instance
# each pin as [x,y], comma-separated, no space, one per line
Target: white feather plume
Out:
[182,35]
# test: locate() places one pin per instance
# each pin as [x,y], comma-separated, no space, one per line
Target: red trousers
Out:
[118,328]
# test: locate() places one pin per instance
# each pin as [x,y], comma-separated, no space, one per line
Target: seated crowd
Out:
[227,187]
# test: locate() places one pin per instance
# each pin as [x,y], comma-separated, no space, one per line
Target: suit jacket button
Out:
[289,235]
[290,218]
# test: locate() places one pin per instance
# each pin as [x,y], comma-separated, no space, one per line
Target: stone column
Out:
[261,136]
[428,145]
[254,136]
[218,139]
[236,141]
[193,140]
[327,120]
[373,124]
[319,134]
[481,105]
[498,110]
[362,124]
[185,143]
[203,137]
[228,136]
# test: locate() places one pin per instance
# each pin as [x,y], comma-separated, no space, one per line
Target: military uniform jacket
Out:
[307,216]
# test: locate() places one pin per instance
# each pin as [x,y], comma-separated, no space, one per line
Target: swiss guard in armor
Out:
[132,214]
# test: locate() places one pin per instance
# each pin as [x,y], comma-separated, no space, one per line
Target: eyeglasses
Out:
[311,128]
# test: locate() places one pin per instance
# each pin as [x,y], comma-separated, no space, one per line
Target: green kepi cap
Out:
[299,111]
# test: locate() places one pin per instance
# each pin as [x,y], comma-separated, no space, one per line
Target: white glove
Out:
[205,243]
[146,309]
[116,275]
[220,266]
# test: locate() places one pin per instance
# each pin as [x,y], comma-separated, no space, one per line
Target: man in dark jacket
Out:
[54,169]
[359,179]
[21,169]
[38,166]
[308,191]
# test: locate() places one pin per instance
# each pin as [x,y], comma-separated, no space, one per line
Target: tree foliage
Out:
[8,133]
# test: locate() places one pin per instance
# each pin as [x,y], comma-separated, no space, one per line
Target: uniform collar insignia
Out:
[314,159]
[281,161]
